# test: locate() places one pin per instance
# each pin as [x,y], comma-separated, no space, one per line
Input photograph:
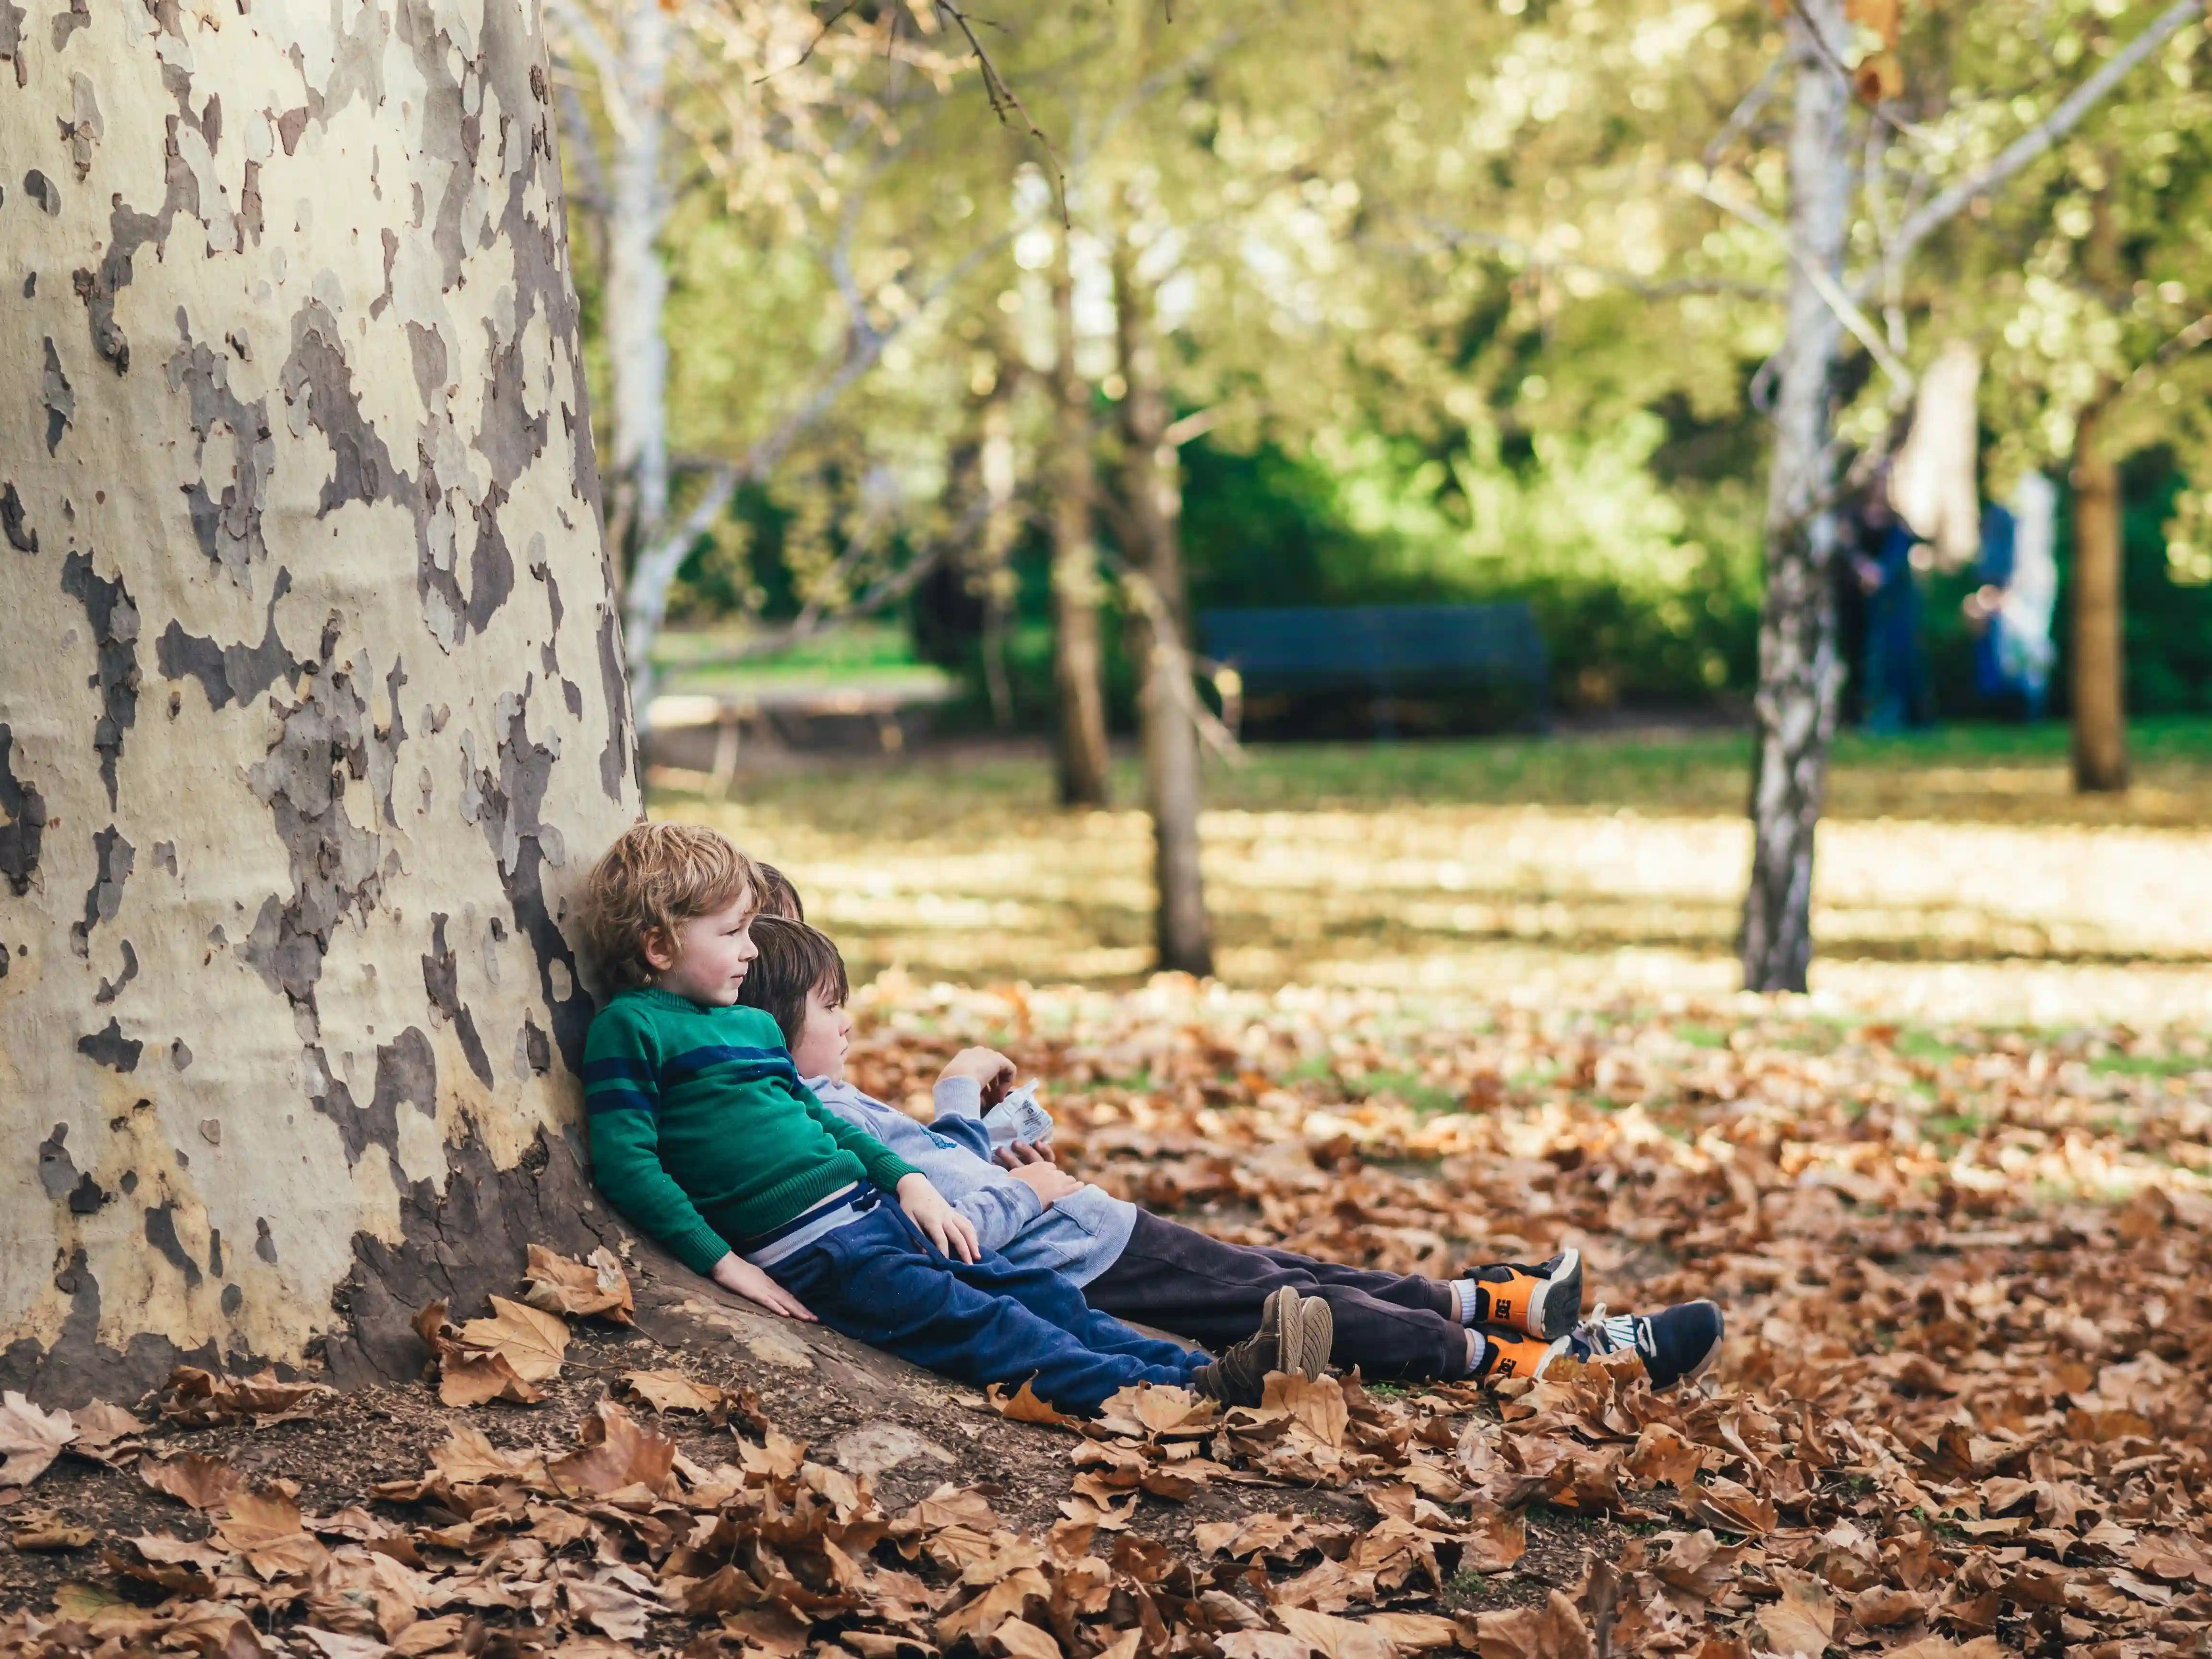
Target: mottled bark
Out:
[1151,498]
[1078,664]
[2099,655]
[1799,674]
[312,704]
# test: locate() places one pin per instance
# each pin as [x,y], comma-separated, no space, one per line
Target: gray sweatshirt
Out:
[1079,1236]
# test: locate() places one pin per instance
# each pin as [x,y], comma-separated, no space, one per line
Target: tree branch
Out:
[572,21]
[1824,282]
[2037,138]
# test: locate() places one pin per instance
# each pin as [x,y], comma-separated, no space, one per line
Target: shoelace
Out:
[1604,1335]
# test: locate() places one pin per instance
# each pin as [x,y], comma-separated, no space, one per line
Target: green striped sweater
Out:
[703,1135]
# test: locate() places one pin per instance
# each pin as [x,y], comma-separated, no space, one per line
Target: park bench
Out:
[1399,664]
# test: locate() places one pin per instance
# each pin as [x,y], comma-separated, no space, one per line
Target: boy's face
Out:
[710,957]
[823,1037]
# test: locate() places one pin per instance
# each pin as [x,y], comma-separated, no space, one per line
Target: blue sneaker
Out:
[1677,1345]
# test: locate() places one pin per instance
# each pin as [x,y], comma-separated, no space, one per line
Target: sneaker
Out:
[1507,1352]
[1677,1345]
[1544,1300]
[1295,1335]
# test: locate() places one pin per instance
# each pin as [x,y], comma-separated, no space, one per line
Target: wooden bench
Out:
[1401,659]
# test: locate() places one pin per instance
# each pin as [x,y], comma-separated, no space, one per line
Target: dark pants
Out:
[1392,1326]
[881,1282]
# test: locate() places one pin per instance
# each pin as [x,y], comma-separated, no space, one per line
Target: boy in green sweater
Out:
[702,1135]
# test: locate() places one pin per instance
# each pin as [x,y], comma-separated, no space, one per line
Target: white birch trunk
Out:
[1799,675]
[637,279]
[312,704]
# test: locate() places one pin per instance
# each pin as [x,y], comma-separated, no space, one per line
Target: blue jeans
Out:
[881,1282]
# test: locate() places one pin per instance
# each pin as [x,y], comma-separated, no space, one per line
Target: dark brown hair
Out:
[653,879]
[778,897]
[794,959]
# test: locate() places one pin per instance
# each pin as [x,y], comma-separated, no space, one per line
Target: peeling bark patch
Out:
[56,393]
[26,811]
[334,864]
[615,758]
[11,40]
[161,1233]
[264,1245]
[129,230]
[509,808]
[43,191]
[536,1050]
[441,984]
[56,1170]
[112,988]
[88,1197]
[78,16]
[13,526]
[110,1047]
[115,858]
[406,1074]
[84,128]
[240,672]
[229,527]
[114,621]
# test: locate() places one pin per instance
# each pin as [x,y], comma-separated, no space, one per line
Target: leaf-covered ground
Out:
[1962,1410]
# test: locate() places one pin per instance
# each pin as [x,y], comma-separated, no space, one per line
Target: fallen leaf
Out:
[1022,1640]
[1024,1406]
[531,1341]
[1553,1630]
[44,1530]
[31,1438]
[616,1612]
[1412,1633]
[1334,1638]
[615,1450]
[202,1482]
[1803,1620]
[671,1391]
[562,1284]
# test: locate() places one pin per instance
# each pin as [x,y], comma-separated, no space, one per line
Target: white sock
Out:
[1464,1290]
[1478,1352]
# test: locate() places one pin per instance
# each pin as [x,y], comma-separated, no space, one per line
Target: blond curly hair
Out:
[655,877]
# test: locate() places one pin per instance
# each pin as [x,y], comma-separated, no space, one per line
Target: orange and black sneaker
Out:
[1541,1301]
[1509,1353]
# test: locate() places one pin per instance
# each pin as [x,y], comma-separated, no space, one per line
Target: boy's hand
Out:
[734,1272]
[940,1223]
[992,1070]
[1019,1153]
[1048,1182]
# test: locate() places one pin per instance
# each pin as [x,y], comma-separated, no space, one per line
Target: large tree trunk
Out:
[313,707]
[2100,721]
[1151,496]
[1078,664]
[637,280]
[1799,674]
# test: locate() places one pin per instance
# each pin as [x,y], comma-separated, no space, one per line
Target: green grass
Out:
[1966,773]
[2149,1065]
[1412,1088]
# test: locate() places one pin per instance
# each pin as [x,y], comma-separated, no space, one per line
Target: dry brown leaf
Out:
[615,1451]
[42,1530]
[201,1400]
[1263,1644]
[1334,1638]
[1553,1630]
[202,1482]
[618,1612]
[30,1438]
[1316,1405]
[1020,1639]
[1803,1620]
[562,1284]
[1414,1632]
[467,1378]
[530,1340]
[1024,1406]
[671,1391]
